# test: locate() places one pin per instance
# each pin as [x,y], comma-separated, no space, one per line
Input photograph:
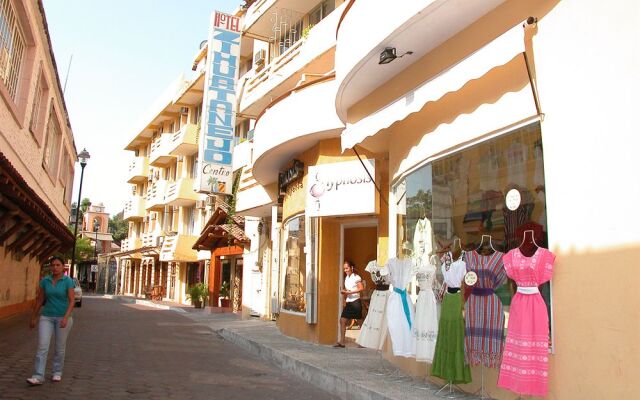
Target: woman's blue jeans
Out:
[47,327]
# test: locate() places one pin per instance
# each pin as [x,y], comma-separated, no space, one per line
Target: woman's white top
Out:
[454,270]
[351,283]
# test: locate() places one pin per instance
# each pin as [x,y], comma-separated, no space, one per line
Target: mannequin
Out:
[400,309]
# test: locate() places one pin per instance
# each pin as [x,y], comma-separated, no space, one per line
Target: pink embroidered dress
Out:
[524,368]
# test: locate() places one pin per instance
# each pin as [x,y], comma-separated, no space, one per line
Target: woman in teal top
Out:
[56,292]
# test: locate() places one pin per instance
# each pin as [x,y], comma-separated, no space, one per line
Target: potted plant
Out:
[194,293]
[224,294]
[204,294]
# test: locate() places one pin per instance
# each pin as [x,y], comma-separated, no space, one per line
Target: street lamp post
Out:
[83,157]
[96,228]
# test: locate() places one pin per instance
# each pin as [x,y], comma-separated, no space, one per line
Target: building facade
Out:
[37,154]
[483,118]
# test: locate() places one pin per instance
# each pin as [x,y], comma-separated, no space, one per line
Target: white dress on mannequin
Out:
[425,328]
[400,309]
[374,328]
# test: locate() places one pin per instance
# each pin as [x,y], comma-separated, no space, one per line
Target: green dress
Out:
[449,360]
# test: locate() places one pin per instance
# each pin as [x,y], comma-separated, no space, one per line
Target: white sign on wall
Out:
[342,188]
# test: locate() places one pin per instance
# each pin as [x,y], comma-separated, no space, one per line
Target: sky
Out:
[125,54]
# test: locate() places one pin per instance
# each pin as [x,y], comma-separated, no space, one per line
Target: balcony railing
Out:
[129,244]
[179,248]
[155,194]
[134,208]
[310,55]
[184,142]
[181,193]
[138,170]
[160,150]
[151,239]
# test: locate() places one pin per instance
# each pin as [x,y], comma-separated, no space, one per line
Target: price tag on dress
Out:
[470,278]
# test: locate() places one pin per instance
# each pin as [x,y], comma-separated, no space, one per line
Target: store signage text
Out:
[286,177]
[343,188]
[219,102]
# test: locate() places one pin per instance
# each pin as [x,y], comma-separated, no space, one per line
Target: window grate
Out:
[12,46]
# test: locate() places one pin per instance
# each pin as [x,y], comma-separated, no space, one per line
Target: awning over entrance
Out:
[138,253]
[28,226]
[221,231]
[215,236]
[497,53]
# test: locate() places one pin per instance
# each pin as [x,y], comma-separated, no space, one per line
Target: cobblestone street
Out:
[125,351]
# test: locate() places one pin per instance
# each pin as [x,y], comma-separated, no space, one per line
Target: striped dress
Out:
[484,322]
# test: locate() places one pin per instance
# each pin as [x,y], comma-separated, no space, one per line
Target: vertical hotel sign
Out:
[215,152]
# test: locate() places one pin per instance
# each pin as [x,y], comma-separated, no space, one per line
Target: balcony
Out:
[134,208]
[418,26]
[129,244]
[151,239]
[184,142]
[160,156]
[180,193]
[138,170]
[155,195]
[290,126]
[312,56]
[259,17]
[179,248]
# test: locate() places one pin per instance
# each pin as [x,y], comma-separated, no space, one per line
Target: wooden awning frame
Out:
[28,226]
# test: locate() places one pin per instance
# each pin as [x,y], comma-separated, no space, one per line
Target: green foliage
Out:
[305,31]
[118,228]
[84,249]
[224,290]
[84,204]
[198,293]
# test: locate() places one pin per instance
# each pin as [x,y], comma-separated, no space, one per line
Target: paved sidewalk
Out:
[352,373]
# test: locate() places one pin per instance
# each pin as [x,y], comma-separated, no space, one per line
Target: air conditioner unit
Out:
[211,201]
[150,177]
[184,110]
[259,57]
[200,204]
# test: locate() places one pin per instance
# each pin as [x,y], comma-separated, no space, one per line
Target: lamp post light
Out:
[83,157]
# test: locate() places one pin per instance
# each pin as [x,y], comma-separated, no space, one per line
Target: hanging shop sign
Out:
[286,177]
[343,188]
[215,151]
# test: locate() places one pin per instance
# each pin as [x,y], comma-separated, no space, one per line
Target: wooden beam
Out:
[36,243]
[37,250]
[22,240]
[48,251]
[7,234]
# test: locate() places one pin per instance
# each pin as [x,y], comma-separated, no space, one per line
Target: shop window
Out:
[462,195]
[12,48]
[294,267]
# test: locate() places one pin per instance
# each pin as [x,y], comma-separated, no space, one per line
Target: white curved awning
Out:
[496,53]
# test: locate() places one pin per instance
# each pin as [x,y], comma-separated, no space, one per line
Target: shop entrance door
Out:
[359,244]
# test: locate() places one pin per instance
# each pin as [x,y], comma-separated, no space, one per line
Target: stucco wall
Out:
[18,284]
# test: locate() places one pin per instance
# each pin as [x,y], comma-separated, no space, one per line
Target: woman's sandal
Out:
[34,381]
[338,345]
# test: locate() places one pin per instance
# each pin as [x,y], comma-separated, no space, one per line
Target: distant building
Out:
[37,154]
[95,227]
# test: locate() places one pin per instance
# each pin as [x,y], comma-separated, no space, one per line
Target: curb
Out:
[336,384]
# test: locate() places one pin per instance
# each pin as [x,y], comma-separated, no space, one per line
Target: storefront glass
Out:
[294,265]
[474,192]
